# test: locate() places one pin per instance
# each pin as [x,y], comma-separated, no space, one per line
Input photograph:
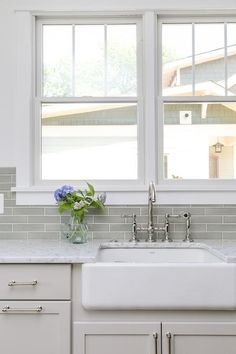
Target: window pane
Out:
[121,60]
[105,60]
[89,60]
[89,141]
[57,60]
[209,59]
[200,140]
[231,59]
[177,59]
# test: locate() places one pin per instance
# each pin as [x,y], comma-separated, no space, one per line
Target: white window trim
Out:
[118,184]
[28,192]
[194,190]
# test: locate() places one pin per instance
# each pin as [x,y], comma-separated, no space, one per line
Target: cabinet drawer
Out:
[38,327]
[33,281]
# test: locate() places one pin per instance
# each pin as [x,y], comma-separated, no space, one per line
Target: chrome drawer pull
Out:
[9,309]
[155,336]
[168,335]
[15,283]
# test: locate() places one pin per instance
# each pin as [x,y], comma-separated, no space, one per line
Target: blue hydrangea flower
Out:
[61,193]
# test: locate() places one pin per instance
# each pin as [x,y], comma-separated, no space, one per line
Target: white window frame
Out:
[29,189]
[39,100]
[188,192]
[209,190]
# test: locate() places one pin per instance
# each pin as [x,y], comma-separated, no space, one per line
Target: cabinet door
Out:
[28,327]
[199,338]
[116,338]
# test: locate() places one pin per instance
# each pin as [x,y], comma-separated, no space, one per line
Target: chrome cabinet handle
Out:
[16,283]
[14,309]
[168,335]
[155,336]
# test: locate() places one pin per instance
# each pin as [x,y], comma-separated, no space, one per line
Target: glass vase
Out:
[77,231]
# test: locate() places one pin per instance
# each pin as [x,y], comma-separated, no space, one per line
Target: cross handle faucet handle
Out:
[135,228]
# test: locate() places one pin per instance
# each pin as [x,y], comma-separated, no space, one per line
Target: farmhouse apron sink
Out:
[158,278]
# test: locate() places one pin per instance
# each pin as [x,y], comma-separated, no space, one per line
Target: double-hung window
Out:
[88,101]
[197,100]
[123,99]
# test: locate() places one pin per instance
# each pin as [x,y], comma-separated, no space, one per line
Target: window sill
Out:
[138,196]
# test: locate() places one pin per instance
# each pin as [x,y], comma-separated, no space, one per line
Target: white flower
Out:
[79,205]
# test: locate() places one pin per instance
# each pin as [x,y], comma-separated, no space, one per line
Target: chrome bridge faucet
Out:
[150,228]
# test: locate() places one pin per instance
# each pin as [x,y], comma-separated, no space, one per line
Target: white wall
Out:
[8,135]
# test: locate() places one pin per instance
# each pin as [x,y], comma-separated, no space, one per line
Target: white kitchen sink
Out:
[158,278]
[157,255]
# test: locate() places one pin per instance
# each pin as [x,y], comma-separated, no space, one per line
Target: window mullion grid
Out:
[139,98]
[193,58]
[91,99]
[160,106]
[40,55]
[105,59]
[36,169]
[73,60]
[225,59]
[189,99]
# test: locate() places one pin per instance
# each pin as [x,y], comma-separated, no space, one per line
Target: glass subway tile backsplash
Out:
[38,222]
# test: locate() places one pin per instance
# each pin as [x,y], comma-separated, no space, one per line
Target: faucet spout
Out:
[152,192]
[151,201]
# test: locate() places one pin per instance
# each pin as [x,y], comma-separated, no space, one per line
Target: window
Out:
[122,99]
[88,100]
[198,99]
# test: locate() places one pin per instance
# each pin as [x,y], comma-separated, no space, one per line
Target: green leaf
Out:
[80,213]
[97,204]
[91,188]
[63,205]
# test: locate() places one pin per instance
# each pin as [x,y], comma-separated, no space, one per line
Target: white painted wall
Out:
[8,134]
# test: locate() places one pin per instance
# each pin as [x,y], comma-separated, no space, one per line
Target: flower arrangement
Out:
[78,201]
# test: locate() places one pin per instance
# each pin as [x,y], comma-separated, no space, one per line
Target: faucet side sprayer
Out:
[187,217]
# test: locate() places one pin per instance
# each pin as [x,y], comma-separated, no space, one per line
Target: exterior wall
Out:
[209,71]
[117,116]
[216,114]
[27,222]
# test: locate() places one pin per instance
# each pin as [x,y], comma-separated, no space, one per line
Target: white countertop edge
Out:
[62,251]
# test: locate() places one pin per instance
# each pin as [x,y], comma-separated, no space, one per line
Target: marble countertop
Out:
[52,251]
[46,251]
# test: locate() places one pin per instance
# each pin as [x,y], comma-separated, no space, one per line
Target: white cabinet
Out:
[28,327]
[199,338]
[145,338]
[117,338]
[35,281]
[29,323]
